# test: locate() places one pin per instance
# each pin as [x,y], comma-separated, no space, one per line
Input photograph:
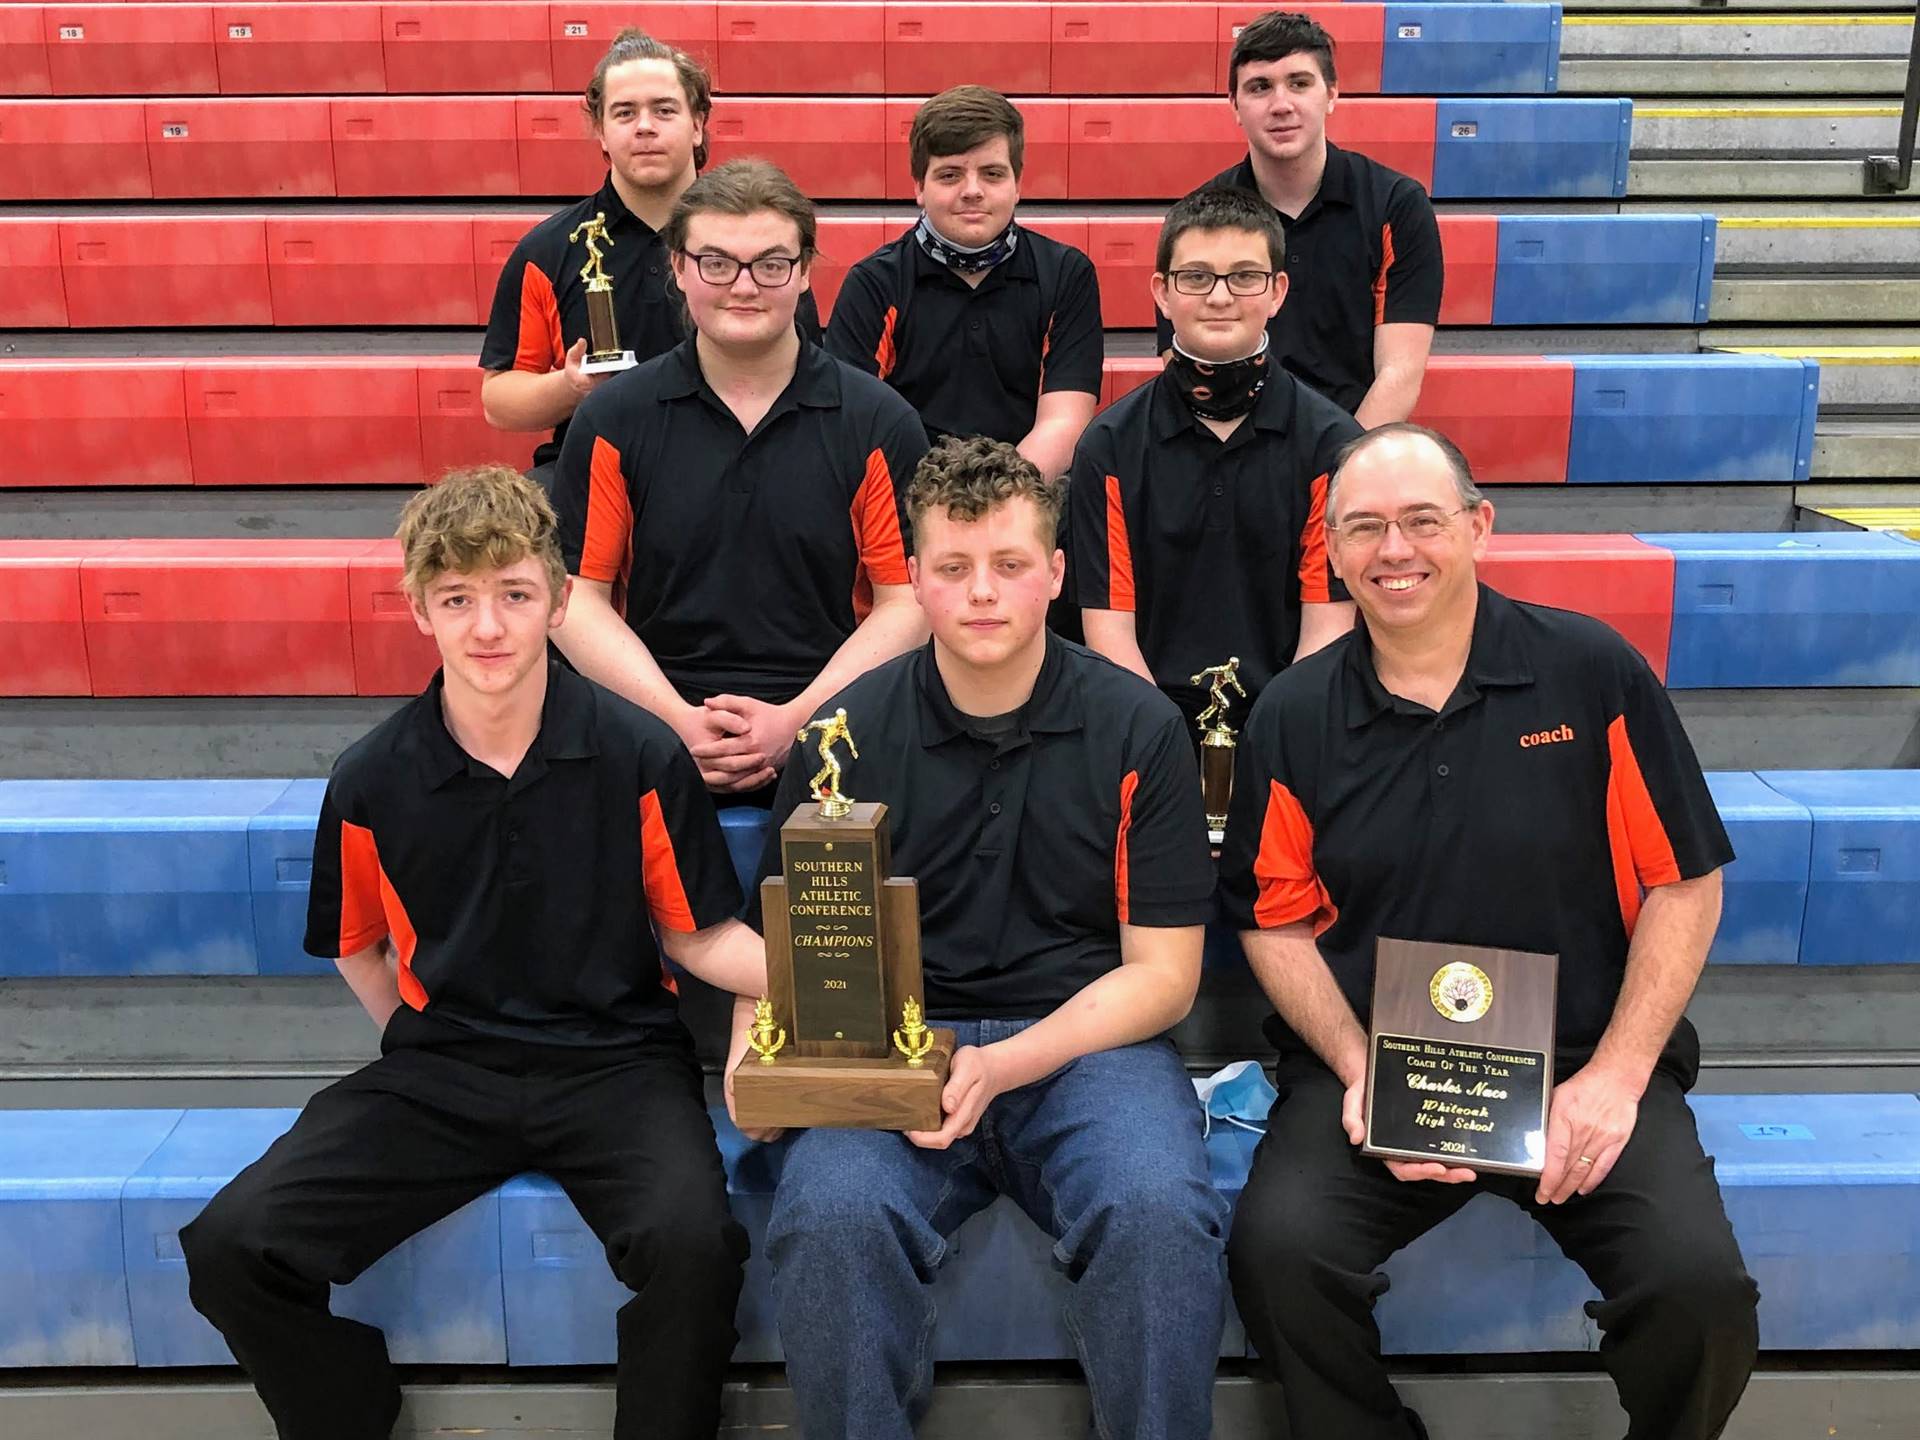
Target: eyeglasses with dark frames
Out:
[769,272]
[1239,282]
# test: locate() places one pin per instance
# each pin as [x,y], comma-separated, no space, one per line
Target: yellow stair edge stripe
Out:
[1834,354]
[1818,222]
[1765,112]
[1903,519]
[1743,22]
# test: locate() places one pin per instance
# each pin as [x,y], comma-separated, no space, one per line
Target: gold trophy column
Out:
[1217,743]
[604,354]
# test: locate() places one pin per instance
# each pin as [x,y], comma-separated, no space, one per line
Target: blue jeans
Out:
[1106,1156]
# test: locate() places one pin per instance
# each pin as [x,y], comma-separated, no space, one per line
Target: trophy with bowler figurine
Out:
[604,355]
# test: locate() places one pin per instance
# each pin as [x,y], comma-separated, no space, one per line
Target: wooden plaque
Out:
[1460,1058]
[843,959]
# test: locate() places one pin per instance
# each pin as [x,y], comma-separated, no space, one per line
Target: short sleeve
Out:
[685,868]
[1162,875]
[1267,873]
[591,495]
[1073,352]
[523,328]
[879,506]
[345,908]
[1407,290]
[1318,583]
[1102,559]
[860,331]
[1662,824]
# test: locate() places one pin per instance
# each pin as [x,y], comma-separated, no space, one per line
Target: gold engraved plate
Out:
[1461,992]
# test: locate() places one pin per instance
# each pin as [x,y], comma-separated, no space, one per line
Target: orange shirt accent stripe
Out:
[1288,888]
[1380,280]
[1128,784]
[542,347]
[1119,551]
[370,909]
[1637,838]
[1314,587]
[876,534]
[660,871]
[606,553]
[884,354]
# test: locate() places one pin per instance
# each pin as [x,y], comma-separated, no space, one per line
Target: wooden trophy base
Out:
[797,1092]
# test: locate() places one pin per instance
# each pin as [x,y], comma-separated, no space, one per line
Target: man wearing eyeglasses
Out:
[1462,768]
[1362,248]
[732,508]
[1198,500]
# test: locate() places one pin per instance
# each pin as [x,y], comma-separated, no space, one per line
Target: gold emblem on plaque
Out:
[825,785]
[1461,992]
[765,1036]
[913,1039]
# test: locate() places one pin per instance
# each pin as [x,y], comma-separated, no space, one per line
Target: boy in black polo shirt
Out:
[1047,803]
[492,865]
[1363,251]
[1397,784]
[985,327]
[648,104]
[1198,500]
[731,508]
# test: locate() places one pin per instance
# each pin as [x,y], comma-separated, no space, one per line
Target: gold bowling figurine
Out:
[1217,742]
[1217,678]
[913,1039]
[603,335]
[764,1035]
[825,784]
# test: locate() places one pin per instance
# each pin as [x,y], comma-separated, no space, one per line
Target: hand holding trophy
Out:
[604,354]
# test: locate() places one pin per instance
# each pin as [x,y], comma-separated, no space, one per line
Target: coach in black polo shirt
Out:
[1363,252]
[491,867]
[1463,768]
[731,508]
[985,327]
[648,104]
[1047,803]
[1198,500]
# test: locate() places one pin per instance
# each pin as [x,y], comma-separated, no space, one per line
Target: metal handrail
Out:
[1889,173]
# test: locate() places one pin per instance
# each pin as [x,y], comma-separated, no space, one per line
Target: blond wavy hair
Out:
[482,517]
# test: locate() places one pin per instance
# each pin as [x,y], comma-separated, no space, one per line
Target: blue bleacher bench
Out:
[1471,49]
[84,866]
[1823,1191]
[1605,270]
[1706,421]
[1513,149]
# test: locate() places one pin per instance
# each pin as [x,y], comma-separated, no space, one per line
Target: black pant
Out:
[1317,1220]
[418,1133]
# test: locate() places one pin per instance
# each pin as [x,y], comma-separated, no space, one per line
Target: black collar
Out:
[1336,183]
[566,730]
[1274,407]
[607,200]
[815,382]
[1055,708]
[1495,658]
[1016,267]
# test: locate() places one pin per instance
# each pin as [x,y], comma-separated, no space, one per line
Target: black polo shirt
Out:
[1364,252]
[1528,814]
[540,302]
[744,560]
[974,360]
[1031,849]
[1212,544]
[520,908]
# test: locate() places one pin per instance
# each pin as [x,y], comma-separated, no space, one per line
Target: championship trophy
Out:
[1460,1056]
[1217,742]
[604,354]
[840,1037]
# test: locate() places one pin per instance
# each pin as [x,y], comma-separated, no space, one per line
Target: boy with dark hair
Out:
[987,328]
[1049,807]
[732,508]
[1362,245]
[491,869]
[1199,500]
[648,104]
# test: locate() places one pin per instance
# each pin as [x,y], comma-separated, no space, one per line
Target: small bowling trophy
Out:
[1217,743]
[604,354]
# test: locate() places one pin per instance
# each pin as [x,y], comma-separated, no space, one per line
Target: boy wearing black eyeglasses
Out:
[732,509]
[1199,500]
